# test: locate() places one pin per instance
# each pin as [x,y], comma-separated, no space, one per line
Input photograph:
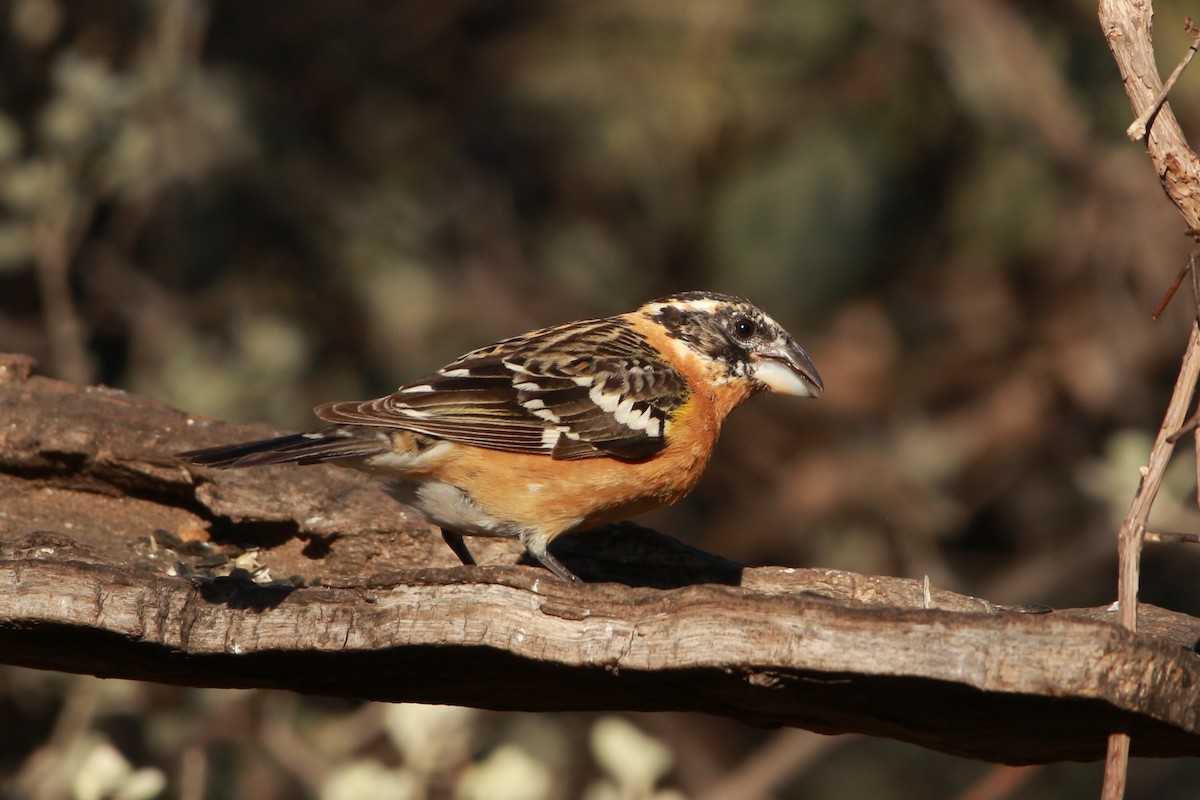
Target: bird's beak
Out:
[786,369]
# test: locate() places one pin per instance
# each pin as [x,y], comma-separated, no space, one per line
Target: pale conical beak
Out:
[787,369]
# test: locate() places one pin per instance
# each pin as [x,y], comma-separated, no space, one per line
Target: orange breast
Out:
[554,497]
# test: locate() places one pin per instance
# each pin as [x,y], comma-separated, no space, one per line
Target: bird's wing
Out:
[580,390]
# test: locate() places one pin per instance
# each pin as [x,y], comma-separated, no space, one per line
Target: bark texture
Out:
[117,560]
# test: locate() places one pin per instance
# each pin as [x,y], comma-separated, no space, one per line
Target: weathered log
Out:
[118,560]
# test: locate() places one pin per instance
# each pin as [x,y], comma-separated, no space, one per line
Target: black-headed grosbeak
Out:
[560,429]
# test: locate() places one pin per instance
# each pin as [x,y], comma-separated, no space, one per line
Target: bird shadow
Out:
[239,590]
[627,553]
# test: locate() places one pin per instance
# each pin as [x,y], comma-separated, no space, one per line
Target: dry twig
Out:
[1138,129]
[1170,538]
[1129,539]
[1127,27]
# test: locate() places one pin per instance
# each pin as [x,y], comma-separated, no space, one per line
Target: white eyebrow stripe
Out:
[710,306]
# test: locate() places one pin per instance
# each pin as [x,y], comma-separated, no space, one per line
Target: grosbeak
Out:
[560,429]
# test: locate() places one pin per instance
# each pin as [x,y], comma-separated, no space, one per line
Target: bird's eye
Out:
[744,328]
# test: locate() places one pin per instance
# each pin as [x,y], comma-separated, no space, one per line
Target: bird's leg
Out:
[537,549]
[456,543]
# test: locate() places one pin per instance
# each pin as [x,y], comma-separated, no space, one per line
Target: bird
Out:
[558,430]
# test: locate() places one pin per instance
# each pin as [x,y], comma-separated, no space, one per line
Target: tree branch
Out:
[1128,30]
[97,515]
[1127,27]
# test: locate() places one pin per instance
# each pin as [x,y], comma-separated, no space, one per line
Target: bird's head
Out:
[737,341]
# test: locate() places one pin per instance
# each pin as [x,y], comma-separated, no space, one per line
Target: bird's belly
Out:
[533,493]
[480,492]
[519,503]
[449,507]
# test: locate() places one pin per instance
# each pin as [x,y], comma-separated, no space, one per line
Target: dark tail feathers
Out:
[301,448]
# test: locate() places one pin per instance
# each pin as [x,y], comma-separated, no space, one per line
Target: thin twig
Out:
[1170,538]
[1129,539]
[1171,290]
[1141,126]
[1116,767]
[1126,25]
[1187,427]
[1192,265]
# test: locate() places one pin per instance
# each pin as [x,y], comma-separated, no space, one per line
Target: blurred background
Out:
[246,208]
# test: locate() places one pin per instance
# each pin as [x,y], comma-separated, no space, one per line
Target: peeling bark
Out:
[116,560]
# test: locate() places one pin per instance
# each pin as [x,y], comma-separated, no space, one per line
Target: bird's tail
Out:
[329,444]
